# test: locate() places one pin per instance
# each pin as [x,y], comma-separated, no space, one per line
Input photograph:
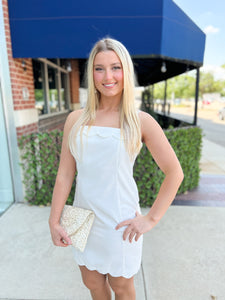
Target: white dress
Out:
[105,184]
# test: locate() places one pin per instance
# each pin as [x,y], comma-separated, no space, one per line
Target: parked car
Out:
[221,113]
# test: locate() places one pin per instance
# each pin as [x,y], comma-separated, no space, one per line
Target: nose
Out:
[108,75]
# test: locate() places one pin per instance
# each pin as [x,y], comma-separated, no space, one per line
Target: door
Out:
[6,187]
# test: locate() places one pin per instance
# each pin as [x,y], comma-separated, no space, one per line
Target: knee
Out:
[121,287]
[118,289]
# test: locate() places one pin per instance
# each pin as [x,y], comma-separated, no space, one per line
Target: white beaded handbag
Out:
[77,223]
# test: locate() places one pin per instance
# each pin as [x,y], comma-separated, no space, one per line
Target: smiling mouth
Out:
[109,84]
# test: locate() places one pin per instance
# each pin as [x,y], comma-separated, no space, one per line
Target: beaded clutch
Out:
[77,223]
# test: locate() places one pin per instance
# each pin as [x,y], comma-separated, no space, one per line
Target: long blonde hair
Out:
[129,120]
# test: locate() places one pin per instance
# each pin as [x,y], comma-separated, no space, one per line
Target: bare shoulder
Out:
[149,126]
[145,118]
[72,118]
[151,131]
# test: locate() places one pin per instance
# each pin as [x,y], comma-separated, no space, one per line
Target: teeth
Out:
[111,84]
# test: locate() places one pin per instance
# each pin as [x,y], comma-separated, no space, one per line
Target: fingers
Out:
[131,236]
[67,240]
[132,228]
[137,236]
[61,242]
[130,233]
[127,222]
[122,224]
[60,237]
[64,240]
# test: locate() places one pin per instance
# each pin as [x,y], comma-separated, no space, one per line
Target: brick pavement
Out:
[210,192]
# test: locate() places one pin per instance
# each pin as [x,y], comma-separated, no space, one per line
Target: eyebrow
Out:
[99,65]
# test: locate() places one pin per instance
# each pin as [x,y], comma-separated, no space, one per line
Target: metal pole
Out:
[196,96]
[164,104]
[152,93]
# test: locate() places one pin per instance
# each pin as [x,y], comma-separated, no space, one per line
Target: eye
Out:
[117,68]
[98,69]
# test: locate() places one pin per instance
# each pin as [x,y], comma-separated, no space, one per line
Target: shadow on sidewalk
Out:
[210,192]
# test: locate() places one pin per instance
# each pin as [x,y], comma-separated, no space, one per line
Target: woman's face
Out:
[108,74]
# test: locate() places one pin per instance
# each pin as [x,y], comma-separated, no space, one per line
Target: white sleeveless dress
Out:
[105,184]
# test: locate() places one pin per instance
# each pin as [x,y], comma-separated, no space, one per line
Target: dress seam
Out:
[117,181]
[119,204]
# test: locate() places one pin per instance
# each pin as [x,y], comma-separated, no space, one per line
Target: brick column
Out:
[74,84]
[22,85]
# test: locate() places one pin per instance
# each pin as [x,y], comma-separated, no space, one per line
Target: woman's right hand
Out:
[59,236]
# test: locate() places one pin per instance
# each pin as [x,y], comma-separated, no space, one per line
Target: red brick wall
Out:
[20,78]
[23,130]
[74,81]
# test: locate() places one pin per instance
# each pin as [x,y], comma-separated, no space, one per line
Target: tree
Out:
[209,85]
[183,86]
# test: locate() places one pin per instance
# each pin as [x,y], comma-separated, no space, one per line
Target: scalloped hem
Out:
[127,276]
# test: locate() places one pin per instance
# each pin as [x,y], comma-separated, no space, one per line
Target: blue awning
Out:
[68,29]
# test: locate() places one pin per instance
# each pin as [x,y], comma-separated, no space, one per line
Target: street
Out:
[214,132]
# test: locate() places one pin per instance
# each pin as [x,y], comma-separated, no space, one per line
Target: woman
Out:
[102,141]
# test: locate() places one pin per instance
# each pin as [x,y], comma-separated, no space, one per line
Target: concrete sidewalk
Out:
[183,256]
[212,159]
[32,267]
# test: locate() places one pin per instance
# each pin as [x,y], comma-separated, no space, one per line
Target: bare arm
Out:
[63,184]
[165,157]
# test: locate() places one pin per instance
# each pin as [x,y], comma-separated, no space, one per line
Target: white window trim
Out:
[47,63]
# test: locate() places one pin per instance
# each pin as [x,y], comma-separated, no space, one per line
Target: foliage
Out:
[40,154]
[207,84]
[40,157]
[187,143]
[183,86]
[39,95]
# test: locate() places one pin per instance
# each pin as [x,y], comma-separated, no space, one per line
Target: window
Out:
[39,89]
[51,81]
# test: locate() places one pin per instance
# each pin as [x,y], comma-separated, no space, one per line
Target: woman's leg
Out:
[122,287]
[97,284]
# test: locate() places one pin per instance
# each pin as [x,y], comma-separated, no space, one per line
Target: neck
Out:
[110,103]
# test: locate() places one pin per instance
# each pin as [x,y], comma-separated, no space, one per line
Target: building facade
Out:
[43,52]
[35,95]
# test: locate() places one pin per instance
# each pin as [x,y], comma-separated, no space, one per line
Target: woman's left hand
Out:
[136,226]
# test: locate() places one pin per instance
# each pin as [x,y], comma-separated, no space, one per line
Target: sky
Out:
[209,16]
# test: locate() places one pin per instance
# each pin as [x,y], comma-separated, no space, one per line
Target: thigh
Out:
[121,283]
[92,279]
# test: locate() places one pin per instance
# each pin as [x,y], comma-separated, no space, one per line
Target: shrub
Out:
[187,143]
[40,153]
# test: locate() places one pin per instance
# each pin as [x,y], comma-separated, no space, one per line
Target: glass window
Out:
[54,60]
[40,102]
[63,63]
[53,89]
[64,103]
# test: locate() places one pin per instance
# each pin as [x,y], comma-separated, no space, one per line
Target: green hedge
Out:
[40,154]
[187,144]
